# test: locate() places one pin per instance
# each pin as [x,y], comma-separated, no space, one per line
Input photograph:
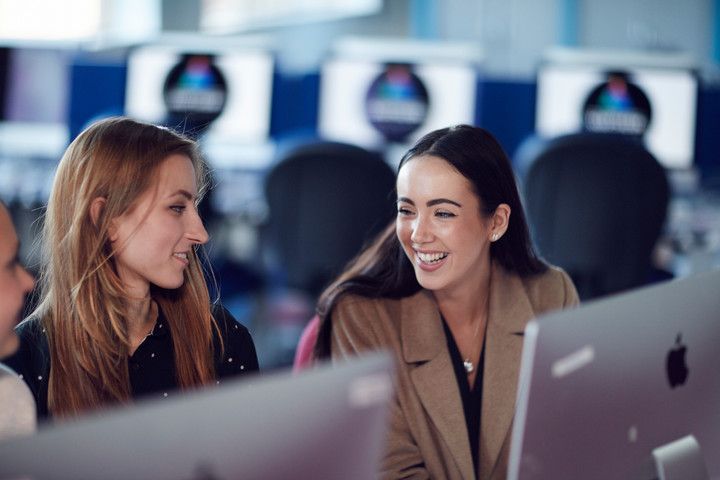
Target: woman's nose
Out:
[196,231]
[420,231]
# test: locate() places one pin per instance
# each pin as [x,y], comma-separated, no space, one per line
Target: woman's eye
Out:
[178,208]
[404,211]
[442,214]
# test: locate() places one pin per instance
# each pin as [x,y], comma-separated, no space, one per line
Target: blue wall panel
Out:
[96,90]
[507,110]
[708,135]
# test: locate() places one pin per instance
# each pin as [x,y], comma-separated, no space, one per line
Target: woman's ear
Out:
[96,209]
[500,221]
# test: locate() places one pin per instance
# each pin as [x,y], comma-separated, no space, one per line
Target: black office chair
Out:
[326,200]
[597,204]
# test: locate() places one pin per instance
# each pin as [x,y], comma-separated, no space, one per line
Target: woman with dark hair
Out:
[449,291]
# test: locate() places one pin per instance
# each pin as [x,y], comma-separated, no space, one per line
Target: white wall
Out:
[674,25]
[514,33]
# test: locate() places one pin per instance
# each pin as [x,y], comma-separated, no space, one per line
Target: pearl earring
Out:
[495,236]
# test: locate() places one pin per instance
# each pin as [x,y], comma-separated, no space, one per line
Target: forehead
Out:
[176,172]
[430,175]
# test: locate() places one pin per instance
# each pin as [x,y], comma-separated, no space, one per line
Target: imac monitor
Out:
[225,93]
[657,104]
[323,424]
[608,388]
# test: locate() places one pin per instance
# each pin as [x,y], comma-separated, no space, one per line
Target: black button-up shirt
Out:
[151,368]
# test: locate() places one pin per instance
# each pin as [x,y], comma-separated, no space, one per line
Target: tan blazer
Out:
[427,433]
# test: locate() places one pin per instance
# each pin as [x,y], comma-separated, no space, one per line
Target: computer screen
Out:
[657,103]
[224,93]
[372,103]
[328,423]
[33,120]
[607,387]
[37,85]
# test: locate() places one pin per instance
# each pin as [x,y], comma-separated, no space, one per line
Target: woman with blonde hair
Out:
[124,309]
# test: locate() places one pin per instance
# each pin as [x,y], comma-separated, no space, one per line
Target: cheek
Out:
[155,237]
[470,242]
[11,298]
[403,231]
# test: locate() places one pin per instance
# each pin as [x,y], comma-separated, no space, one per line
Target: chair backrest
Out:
[326,200]
[597,204]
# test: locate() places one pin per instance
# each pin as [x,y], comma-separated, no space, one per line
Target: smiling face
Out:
[441,226]
[154,239]
[15,283]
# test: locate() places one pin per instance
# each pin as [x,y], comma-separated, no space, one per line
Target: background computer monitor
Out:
[322,424]
[33,132]
[378,92]
[230,87]
[603,385]
[34,89]
[565,90]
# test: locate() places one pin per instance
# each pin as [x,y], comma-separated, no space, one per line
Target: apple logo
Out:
[677,370]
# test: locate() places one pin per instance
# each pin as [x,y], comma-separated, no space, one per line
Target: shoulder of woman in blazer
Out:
[458,258]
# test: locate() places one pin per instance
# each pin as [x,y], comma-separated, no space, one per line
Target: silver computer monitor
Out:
[323,424]
[619,387]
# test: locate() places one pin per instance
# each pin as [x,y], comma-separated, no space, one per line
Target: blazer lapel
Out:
[509,312]
[425,347]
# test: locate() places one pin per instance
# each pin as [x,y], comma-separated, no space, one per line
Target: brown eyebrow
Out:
[430,203]
[438,201]
[184,193]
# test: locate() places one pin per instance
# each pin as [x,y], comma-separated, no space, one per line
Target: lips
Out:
[430,261]
[181,257]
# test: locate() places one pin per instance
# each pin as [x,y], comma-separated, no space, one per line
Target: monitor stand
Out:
[680,460]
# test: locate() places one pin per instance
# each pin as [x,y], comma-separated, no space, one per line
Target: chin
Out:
[171,284]
[429,283]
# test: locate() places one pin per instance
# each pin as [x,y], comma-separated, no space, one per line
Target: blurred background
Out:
[303,109]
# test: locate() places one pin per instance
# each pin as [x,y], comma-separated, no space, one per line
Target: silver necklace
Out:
[467,363]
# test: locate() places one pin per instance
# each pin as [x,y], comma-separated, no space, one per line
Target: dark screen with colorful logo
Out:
[195,93]
[617,106]
[396,103]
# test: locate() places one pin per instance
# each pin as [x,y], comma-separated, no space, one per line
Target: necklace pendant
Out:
[469,367]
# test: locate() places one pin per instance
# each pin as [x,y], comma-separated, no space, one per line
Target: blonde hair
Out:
[83,301]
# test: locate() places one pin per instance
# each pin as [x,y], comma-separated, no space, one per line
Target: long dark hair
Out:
[382,270]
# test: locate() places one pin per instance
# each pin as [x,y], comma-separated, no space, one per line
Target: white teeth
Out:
[184,256]
[431,257]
